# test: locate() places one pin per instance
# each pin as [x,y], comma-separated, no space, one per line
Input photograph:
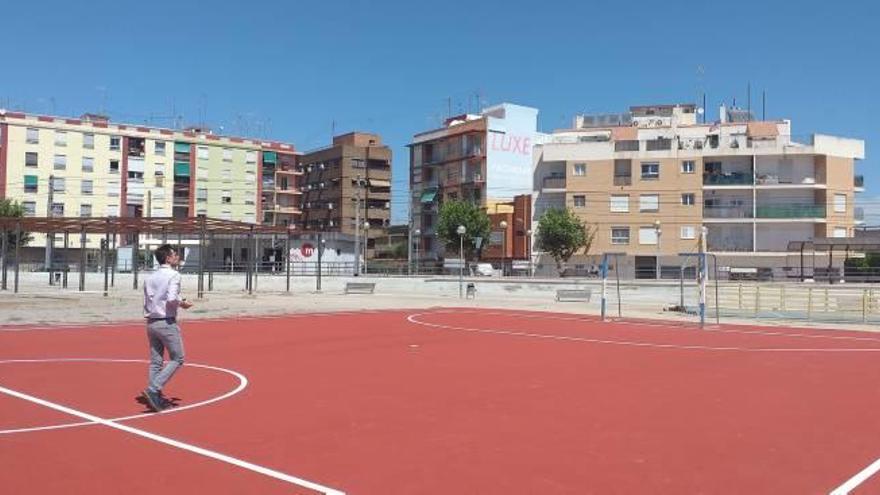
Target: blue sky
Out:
[289,70]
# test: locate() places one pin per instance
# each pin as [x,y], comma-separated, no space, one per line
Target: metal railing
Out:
[554,183]
[728,179]
[791,211]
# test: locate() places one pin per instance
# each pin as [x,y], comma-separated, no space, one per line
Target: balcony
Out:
[659,144]
[785,211]
[728,179]
[623,180]
[859,214]
[727,212]
[631,145]
[553,184]
[859,182]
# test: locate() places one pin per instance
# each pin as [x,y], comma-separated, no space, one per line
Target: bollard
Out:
[740,296]
[809,302]
[757,299]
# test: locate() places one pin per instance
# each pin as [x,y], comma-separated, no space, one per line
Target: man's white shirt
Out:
[162,293]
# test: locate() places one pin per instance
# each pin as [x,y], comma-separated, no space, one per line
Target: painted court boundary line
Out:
[177,444]
[858,479]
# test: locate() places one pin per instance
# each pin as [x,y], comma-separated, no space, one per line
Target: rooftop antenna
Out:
[749,101]
[763,105]
[332,130]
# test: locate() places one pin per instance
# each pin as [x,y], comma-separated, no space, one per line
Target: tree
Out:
[562,234]
[455,213]
[12,209]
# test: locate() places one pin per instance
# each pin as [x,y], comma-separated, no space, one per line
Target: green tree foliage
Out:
[12,209]
[474,219]
[561,234]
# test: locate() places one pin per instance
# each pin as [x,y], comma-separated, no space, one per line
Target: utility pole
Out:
[50,238]
[357,227]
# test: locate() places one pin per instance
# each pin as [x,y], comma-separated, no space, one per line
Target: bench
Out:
[573,295]
[360,287]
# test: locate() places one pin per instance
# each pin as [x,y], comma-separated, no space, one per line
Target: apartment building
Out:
[650,179]
[92,167]
[347,187]
[484,158]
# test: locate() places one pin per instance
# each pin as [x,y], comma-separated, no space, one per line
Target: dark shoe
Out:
[166,402]
[154,400]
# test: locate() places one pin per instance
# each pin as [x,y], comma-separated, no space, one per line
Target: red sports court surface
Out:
[441,402]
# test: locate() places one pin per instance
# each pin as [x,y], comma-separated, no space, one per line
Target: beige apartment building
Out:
[92,167]
[650,180]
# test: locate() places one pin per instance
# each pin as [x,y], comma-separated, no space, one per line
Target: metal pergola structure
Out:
[830,245]
[136,226]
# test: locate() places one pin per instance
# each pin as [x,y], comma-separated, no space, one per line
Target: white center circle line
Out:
[242,384]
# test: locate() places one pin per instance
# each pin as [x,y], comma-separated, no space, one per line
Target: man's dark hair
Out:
[163,252]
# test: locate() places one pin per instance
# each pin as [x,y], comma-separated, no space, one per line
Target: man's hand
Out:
[185,304]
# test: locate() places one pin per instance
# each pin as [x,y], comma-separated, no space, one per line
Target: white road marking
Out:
[858,479]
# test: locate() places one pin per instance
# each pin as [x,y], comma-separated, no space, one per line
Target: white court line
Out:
[242,383]
[413,319]
[673,325]
[178,444]
[858,479]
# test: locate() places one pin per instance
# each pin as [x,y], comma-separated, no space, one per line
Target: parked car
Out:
[484,270]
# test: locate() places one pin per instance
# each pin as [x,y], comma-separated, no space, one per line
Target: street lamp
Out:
[529,249]
[461,231]
[418,234]
[658,232]
[503,226]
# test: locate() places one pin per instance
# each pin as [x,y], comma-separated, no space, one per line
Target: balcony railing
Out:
[554,183]
[791,211]
[859,214]
[859,181]
[658,144]
[623,180]
[727,211]
[632,145]
[728,179]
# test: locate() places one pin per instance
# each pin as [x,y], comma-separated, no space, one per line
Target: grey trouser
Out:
[163,334]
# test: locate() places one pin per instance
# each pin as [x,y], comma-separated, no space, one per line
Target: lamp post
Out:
[659,232]
[418,234]
[503,226]
[529,249]
[461,231]
[366,242]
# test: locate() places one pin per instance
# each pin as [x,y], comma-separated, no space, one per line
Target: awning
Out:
[428,195]
[181,147]
[380,183]
[181,169]
[30,180]
[270,157]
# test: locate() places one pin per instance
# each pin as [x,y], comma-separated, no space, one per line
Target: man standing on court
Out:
[161,300]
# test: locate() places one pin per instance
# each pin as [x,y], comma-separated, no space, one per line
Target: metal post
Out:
[320,257]
[717,312]
[251,261]
[286,259]
[461,266]
[202,252]
[115,262]
[105,251]
[82,259]
[809,302]
[617,277]
[757,299]
[3,258]
[17,254]
[604,285]
[681,287]
[703,275]
[66,261]
[357,228]
[135,258]
[211,268]
[257,260]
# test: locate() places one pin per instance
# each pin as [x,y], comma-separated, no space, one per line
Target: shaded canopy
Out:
[131,225]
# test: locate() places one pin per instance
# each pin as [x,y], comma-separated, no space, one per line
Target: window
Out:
[159,148]
[650,171]
[227,155]
[33,135]
[687,167]
[57,210]
[688,232]
[249,201]
[619,235]
[202,153]
[226,215]
[88,164]
[580,169]
[111,211]
[89,141]
[31,159]
[580,201]
[201,195]
[840,203]
[250,157]
[250,218]
[649,202]
[688,199]
[648,236]
[249,176]
[226,197]
[115,143]
[30,208]
[87,187]
[58,185]
[30,183]
[201,173]
[839,231]
[85,210]
[619,203]
[114,166]
[60,162]
[60,138]
[138,176]
[226,174]
[112,189]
